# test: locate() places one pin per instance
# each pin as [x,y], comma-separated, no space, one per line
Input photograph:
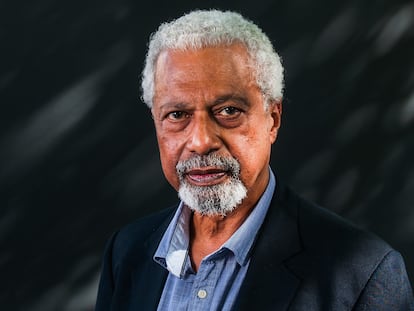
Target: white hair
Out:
[207,28]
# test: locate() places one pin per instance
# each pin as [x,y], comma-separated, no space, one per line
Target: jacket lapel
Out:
[269,284]
[150,279]
[148,285]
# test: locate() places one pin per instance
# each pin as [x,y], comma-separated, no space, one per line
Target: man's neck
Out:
[209,233]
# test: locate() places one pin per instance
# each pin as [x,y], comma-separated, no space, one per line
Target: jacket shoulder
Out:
[341,265]
[332,245]
[324,232]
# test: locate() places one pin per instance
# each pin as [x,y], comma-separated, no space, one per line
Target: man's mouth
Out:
[206,176]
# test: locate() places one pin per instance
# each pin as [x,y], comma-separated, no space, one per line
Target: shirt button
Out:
[202,294]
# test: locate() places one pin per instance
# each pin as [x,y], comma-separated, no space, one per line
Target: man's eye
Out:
[176,115]
[229,112]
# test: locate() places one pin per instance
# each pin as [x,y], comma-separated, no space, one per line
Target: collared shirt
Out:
[217,282]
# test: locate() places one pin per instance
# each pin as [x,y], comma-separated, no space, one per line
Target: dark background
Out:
[78,156]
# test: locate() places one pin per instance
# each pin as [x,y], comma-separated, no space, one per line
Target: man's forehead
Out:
[220,56]
[213,66]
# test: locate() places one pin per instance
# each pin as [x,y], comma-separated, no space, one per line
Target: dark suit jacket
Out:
[305,258]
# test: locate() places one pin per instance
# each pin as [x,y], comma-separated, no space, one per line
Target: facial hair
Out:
[215,200]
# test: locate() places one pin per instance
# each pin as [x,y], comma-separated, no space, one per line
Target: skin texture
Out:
[207,101]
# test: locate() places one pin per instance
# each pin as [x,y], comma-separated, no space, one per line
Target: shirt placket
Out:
[203,287]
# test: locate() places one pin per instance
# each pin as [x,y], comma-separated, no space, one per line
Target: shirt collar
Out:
[172,252]
[175,241]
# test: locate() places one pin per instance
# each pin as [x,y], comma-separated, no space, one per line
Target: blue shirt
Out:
[220,275]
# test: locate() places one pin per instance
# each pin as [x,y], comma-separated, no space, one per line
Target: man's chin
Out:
[216,200]
[211,212]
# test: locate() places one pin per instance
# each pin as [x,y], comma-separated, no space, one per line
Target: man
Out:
[239,239]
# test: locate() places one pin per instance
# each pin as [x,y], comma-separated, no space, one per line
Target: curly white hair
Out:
[206,28]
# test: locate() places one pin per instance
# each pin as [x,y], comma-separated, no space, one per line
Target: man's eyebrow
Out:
[233,97]
[174,105]
[180,105]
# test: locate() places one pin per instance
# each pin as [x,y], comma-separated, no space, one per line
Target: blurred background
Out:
[78,155]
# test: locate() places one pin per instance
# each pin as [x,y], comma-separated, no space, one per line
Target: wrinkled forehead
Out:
[207,64]
[210,61]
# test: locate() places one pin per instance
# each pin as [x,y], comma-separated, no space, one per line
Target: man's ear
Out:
[275,110]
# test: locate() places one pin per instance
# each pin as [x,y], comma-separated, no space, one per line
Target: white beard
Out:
[220,199]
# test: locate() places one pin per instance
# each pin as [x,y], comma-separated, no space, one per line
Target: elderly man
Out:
[239,239]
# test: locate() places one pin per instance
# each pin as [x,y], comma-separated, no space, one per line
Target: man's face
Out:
[207,102]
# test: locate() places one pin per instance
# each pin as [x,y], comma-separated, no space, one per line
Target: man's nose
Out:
[204,135]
